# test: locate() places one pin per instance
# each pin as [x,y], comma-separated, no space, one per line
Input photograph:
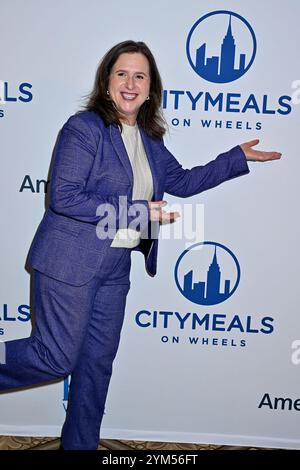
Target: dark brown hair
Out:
[150,116]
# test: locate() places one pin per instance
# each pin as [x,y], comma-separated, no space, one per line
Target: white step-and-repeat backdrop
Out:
[210,349]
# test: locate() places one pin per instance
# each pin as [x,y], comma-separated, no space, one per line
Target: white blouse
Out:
[142,181]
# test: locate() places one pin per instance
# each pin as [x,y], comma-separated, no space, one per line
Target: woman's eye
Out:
[140,77]
[121,74]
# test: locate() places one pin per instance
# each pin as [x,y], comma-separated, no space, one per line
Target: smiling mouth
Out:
[129,96]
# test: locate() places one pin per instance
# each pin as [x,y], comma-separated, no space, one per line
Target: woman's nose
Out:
[130,82]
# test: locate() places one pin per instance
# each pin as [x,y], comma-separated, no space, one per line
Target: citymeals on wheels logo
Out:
[207,273]
[9,95]
[221,46]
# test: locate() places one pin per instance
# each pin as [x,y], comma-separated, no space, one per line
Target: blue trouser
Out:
[77,331]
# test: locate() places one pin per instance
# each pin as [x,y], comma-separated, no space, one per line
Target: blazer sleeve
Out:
[73,162]
[188,182]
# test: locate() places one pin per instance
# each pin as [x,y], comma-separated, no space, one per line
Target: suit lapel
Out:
[119,147]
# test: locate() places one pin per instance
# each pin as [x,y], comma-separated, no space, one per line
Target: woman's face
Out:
[129,85]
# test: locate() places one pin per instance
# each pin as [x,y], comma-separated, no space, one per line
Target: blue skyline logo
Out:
[221,46]
[207,273]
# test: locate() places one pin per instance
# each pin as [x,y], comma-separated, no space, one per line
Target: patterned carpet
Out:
[48,443]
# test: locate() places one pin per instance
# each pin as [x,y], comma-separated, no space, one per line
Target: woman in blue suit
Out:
[110,172]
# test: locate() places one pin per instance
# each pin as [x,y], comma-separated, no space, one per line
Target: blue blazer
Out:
[90,167]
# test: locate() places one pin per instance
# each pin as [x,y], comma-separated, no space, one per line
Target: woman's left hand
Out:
[257,155]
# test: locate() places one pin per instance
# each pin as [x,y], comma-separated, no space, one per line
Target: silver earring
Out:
[148,98]
[107,92]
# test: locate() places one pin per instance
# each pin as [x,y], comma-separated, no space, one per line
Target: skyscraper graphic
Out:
[227,54]
[208,293]
[220,69]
